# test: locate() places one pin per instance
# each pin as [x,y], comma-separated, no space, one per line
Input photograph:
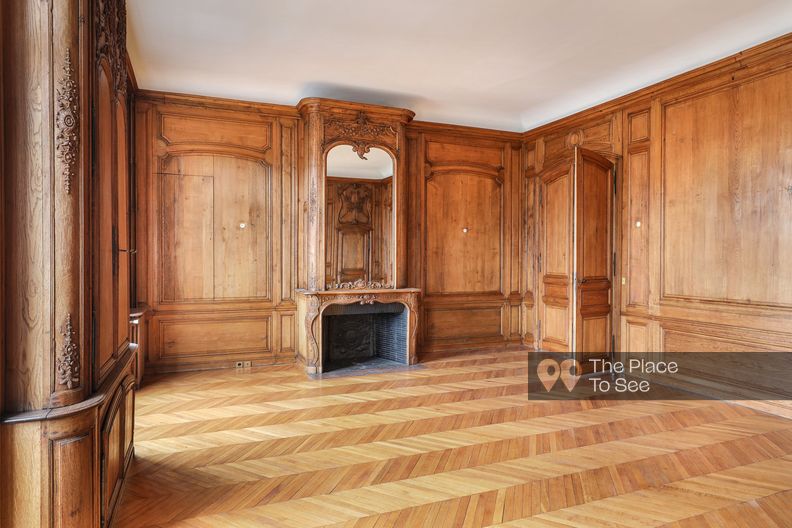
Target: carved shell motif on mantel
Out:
[361,133]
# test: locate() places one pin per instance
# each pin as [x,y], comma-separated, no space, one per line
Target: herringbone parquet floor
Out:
[454,444]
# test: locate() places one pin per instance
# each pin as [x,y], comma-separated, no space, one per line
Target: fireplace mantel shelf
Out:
[311,304]
[353,291]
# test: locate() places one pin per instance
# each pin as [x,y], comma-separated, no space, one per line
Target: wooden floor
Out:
[455,444]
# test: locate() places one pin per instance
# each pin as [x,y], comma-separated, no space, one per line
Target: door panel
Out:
[103,207]
[556,252]
[593,202]
[354,250]
[123,300]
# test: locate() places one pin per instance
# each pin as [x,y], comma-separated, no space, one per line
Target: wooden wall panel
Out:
[206,337]
[358,242]
[73,461]
[242,228]
[636,335]
[636,228]
[221,230]
[467,236]
[464,233]
[187,212]
[479,323]
[737,167]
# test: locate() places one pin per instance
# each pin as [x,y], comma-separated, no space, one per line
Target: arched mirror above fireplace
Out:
[360,219]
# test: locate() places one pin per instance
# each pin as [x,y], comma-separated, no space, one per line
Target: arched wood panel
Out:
[468,230]
[221,229]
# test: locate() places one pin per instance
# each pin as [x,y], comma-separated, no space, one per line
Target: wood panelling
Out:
[73,461]
[359,230]
[594,269]
[187,238]
[221,228]
[468,231]
[636,226]
[207,336]
[104,260]
[738,169]
[216,229]
[636,336]
[444,323]
[464,219]
[202,130]
[702,202]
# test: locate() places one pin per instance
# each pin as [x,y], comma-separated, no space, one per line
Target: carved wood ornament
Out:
[355,204]
[67,122]
[68,360]
[111,41]
[359,284]
[361,133]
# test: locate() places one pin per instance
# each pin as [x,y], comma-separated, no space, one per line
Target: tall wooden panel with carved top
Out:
[68,390]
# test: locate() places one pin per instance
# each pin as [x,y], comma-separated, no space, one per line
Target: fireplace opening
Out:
[364,336]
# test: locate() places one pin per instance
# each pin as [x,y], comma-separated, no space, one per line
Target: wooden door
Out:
[593,256]
[111,224]
[575,255]
[555,260]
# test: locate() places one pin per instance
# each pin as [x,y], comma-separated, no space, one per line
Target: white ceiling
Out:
[343,162]
[506,64]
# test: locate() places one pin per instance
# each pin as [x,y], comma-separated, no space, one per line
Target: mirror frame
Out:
[329,123]
[360,284]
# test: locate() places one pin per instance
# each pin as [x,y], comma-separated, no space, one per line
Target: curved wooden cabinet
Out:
[68,385]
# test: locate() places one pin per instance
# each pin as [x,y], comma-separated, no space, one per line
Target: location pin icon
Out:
[567,378]
[548,373]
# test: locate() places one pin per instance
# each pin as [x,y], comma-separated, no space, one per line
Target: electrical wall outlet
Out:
[239,364]
[247,364]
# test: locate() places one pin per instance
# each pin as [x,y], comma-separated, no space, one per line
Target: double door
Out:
[575,260]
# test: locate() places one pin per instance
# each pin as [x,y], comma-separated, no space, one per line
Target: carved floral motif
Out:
[68,360]
[67,122]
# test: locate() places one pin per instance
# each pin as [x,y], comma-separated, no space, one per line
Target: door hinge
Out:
[614,264]
[540,195]
[539,332]
[540,262]
[613,344]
